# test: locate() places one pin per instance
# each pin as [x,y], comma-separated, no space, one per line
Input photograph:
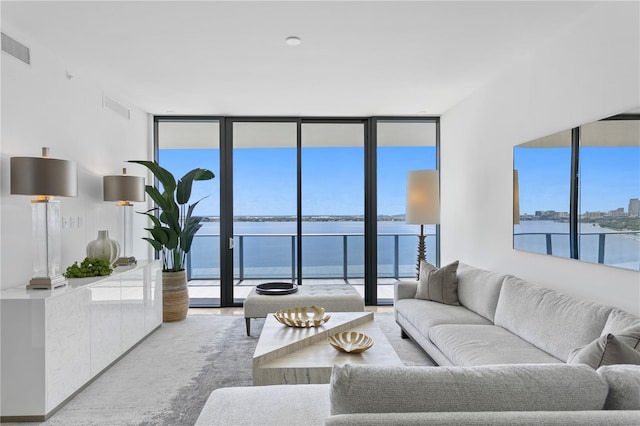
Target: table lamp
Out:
[45,177]
[124,189]
[423,205]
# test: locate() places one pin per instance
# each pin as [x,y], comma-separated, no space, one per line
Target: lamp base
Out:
[421,251]
[126,261]
[47,283]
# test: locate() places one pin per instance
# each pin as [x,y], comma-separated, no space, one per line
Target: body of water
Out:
[329,249]
[265,250]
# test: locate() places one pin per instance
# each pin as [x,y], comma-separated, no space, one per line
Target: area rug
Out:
[168,377]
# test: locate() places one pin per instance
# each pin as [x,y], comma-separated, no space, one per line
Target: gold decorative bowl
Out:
[303,317]
[351,342]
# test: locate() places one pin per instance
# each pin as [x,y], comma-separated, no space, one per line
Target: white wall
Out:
[589,72]
[42,107]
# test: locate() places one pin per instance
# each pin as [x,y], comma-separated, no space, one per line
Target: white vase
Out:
[103,248]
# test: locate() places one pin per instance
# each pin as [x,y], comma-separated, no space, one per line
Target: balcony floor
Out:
[210,289]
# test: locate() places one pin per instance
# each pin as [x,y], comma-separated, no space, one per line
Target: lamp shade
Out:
[44,176]
[423,197]
[123,187]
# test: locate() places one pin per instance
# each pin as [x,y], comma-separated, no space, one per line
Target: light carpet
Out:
[168,377]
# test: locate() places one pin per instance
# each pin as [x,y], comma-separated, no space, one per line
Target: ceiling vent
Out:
[115,106]
[15,49]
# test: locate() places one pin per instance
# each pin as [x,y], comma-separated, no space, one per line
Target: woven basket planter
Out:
[175,296]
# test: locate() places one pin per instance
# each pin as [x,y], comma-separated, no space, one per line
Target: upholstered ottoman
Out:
[333,298]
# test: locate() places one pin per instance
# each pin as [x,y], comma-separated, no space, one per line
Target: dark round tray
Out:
[276,289]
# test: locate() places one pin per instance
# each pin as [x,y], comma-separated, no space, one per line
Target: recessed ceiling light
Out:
[292,40]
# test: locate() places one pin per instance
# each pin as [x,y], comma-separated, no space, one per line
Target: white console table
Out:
[54,342]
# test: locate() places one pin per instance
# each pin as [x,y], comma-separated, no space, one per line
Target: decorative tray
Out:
[303,317]
[276,289]
[351,342]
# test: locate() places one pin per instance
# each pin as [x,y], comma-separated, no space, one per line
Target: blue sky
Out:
[333,183]
[332,179]
[609,177]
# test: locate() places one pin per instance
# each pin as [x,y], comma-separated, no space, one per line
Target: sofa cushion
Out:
[266,405]
[624,386]
[605,350]
[517,387]
[468,345]
[479,290]
[550,320]
[424,314]
[439,285]
[618,321]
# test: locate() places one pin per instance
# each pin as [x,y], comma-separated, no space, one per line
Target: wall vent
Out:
[15,49]
[115,106]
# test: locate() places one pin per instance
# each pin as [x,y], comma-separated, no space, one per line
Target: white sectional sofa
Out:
[503,354]
[503,319]
[531,394]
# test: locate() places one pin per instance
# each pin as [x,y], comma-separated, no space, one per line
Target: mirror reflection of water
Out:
[621,249]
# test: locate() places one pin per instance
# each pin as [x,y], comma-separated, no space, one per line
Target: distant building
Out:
[593,215]
[550,215]
[619,212]
[634,207]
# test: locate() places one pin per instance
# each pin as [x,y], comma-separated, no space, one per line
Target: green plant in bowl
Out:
[89,267]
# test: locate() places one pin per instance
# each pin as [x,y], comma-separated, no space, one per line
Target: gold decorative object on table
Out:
[303,317]
[351,342]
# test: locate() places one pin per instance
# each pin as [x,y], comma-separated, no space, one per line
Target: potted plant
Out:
[174,227]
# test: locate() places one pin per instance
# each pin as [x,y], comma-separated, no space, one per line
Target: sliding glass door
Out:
[264,204]
[332,171]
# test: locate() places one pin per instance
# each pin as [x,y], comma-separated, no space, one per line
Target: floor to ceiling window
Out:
[333,202]
[182,146]
[303,200]
[402,146]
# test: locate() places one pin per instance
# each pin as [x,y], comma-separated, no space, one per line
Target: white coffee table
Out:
[289,355]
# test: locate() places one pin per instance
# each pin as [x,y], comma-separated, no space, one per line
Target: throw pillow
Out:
[438,285]
[630,336]
[605,350]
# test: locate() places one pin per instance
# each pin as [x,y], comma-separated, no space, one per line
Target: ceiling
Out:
[356,58]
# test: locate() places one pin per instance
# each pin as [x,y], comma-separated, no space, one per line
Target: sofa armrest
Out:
[266,405]
[404,290]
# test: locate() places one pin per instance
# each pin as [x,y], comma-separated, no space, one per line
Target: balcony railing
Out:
[611,248]
[331,256]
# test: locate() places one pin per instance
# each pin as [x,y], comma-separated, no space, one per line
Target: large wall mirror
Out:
[576,193]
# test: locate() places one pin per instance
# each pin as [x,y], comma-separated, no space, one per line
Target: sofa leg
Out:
[403,334]
[248,324]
